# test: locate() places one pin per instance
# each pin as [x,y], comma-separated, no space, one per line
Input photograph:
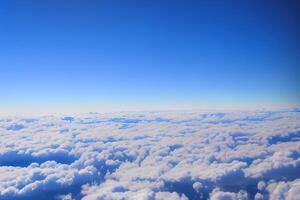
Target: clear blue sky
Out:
[112,53]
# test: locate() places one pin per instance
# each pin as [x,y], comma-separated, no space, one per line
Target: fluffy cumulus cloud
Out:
[152,156]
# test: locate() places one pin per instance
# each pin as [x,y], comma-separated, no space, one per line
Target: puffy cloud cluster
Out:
[152,156]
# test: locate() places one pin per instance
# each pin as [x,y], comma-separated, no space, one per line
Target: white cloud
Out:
[289,190]
[151,155]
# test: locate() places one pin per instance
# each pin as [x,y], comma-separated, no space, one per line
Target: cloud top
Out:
[151,155]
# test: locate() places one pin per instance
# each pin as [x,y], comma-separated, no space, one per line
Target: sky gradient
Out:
[139,55]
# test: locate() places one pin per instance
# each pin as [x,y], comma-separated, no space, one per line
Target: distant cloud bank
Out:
[152,156]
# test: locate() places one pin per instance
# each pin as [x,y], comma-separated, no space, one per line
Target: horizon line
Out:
[67,109]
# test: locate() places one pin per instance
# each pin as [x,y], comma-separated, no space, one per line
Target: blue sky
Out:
[89,55]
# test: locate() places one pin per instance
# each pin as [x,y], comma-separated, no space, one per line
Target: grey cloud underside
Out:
[153,155]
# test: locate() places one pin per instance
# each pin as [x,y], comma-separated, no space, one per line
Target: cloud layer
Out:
[153,155]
